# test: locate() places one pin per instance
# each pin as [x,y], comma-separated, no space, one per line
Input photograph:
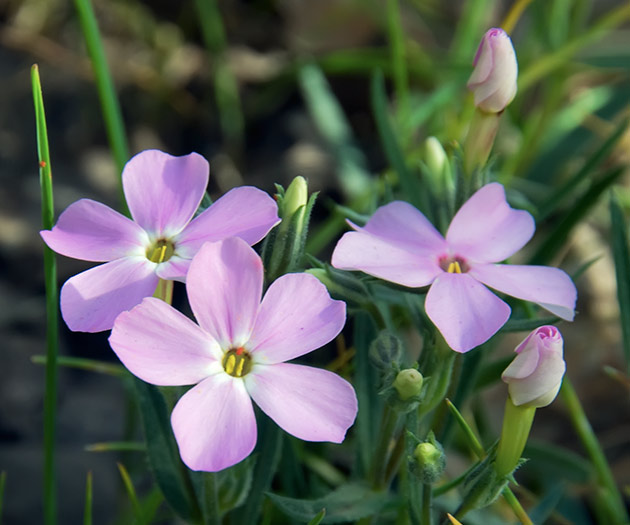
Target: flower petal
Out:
[224,285]
[402,224]
[309,403]
[162,346]
[175,269]
[464,311]
[296,316]
[91,300]
[486,229]
[548,287]
[521,367]
[384,259]
[214,424]
[91,231]
[245,212]
[163,192]
[541,386]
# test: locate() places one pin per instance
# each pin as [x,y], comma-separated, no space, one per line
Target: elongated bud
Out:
[284,246]
[438,170]
[535,375]
[341,285]
[493,80]
[408,383]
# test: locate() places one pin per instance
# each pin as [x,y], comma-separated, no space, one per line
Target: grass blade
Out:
[87,513]
[548,249]
[52,304]
[104,84]
[81,363]
[131,492]
[564,191]
[3,482]
[621,255]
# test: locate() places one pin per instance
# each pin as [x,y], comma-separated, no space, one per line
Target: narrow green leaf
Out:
[527,325]
[473,22]
[234,485]
[206,488]
[87,513]
[562,193]
[225,84]
[318,518]
[52,305]
[621,255]
[474,443]
[347,503]
[557,238]
[104,85]
[3,482]
[409,184]
[554,462]
[396,37]
[131,492]
[170,473]
[81,363]
[116,446]
[331,122]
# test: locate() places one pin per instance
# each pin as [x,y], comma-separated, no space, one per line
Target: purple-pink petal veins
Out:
[244,212]
[487,229]
[214,424]
[296,316]
[548,287]
[163,347]
[224,286]
[162,191]
[465,312]
[91,231]
[384,259]
[91,300]
[308,403]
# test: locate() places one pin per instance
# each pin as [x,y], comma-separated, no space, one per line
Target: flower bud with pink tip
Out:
[493,80]
[535,375]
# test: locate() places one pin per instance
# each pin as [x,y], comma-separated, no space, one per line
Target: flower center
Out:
[454,264]
[160,251]
[237,362]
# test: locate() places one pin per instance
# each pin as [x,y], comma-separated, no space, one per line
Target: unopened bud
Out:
[386,351]
[408,383]
[438,172]
[430,460]
[493,81]
[295,197]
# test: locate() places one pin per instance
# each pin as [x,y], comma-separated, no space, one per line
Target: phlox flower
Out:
[400,245]
[163,193]
[238,353]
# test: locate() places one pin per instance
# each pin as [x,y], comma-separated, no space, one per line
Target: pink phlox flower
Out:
[400,245]
[163,193]
[237,353]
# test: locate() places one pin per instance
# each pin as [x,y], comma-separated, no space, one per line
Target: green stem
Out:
[87,512]
[164,291]
[517,422]
[593,449]
[427,502]
[52,305]
[397,50]
[379,464]
[518,510]
[104,84]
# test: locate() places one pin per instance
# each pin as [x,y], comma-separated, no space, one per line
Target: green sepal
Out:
[427,460]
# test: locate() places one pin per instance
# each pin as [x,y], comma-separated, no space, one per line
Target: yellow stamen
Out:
[161,251]
[454,267]
[230,364]
[240,366]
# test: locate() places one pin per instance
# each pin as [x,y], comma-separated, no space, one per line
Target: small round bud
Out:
[295,196]
[430,460]
[408,383]
[386,350]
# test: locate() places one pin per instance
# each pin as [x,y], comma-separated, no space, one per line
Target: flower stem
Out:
[593,449]
[427,502]
[388,427]
[517,422]
[164,291]
[514,14]
[52,305]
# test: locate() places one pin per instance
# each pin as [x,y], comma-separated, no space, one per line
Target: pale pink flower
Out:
[535,375]
[163,193]
[400,245]
[237,352]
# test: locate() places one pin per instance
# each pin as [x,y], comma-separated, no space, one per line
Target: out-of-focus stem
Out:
[593,449]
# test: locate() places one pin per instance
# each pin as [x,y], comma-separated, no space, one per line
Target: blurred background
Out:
[267,90]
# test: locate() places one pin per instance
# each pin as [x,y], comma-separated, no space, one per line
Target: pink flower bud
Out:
[535,375]
[493,80]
